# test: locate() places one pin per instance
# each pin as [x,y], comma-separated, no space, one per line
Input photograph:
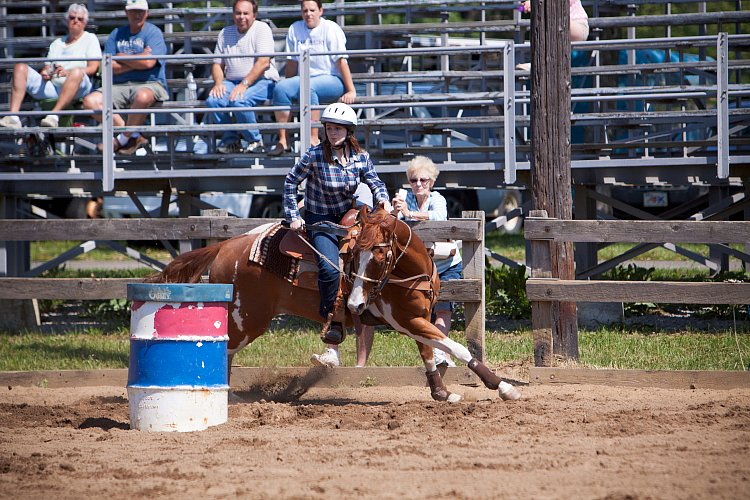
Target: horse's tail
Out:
[188,267]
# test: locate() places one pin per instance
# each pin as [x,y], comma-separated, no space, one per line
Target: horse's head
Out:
[372,255]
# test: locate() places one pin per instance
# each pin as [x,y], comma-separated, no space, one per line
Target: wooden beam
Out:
[244,378]
[663,292]
[551,180]
[466,290]
[637,231]
[641,378]
[472,253]
[186,229]
[65,288]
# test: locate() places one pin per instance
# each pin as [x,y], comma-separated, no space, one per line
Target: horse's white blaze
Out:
[357,297]
[236,271]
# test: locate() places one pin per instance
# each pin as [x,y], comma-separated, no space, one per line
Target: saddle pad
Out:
[265,252]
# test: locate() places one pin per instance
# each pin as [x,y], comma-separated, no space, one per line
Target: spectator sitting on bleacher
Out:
[64,81]
[242,82]
[137,84]
[579,24]
[330,77]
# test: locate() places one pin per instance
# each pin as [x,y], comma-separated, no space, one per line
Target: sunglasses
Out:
[76,18]
[420,179]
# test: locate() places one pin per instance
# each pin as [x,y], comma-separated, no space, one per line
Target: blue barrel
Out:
[177,375]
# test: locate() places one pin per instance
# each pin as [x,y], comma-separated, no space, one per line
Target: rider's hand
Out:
[297,224]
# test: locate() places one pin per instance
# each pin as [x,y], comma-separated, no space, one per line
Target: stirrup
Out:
[334,334]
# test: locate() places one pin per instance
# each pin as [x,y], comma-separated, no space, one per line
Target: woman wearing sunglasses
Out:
[60,80]
[424,204]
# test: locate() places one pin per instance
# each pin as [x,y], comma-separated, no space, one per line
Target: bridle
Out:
[393,256]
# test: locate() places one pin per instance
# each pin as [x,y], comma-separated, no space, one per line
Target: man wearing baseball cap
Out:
[137,84]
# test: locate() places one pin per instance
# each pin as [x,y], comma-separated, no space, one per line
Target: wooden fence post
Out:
[540,261]
[214,212]
[472,253]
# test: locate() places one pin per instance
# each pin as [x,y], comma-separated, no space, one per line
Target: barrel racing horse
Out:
[393,282]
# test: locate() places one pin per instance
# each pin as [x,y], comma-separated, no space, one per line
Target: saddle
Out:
[289,254]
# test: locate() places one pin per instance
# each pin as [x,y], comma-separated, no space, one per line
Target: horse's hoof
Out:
[454,398]
[446,396]
[508,392]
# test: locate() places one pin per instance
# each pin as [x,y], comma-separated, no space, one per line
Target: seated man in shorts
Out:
[60,80]
[137,84]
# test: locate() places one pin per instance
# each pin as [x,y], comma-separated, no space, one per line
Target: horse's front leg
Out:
[431,337]
[426,334]
[438,390]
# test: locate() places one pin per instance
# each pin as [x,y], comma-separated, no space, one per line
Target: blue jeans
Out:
[455,272]
[328,276]
[323,89]
[255,95]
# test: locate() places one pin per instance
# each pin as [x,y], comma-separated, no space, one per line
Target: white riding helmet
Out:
[339,113]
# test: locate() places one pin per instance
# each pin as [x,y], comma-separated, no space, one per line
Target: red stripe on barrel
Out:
[183,319]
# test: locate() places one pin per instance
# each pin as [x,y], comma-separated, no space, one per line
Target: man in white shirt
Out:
[242,81]
[330,76]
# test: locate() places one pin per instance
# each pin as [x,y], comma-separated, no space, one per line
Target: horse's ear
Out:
[363,211]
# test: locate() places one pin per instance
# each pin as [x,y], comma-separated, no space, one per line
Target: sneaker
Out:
[278,150]
[255,148]
[50,121]
[229,148]
[133,144]
[443,359]
[11,121]
[329,358]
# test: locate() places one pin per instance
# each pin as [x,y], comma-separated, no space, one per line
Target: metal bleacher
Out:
[659,92]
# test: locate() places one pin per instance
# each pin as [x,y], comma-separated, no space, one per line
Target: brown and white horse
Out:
[394,283]
[393,280]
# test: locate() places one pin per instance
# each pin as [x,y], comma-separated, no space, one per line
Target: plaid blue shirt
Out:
[330,186]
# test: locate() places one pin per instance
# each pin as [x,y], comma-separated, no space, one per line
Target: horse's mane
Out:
[374,229]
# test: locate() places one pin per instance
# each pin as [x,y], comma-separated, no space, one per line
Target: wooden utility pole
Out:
[550,162]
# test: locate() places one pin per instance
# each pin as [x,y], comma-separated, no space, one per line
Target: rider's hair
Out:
[350,141]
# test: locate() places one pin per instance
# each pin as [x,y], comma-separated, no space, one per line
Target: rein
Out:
[331,228]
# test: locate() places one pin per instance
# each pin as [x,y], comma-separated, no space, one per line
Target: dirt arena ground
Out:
[568,441]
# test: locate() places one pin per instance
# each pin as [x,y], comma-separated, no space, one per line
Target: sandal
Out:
[278,150]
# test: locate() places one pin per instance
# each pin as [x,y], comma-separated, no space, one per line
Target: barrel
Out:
[178,374]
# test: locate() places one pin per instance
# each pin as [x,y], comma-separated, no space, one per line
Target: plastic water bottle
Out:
[192,87]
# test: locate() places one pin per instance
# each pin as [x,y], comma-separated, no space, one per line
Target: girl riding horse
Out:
[333,170]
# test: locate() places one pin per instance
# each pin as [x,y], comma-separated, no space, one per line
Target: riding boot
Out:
[333,331]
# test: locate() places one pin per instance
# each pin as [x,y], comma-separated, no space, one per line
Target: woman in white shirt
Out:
[330,77]
[61,80]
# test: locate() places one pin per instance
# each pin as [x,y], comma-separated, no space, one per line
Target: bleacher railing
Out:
[478,88]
